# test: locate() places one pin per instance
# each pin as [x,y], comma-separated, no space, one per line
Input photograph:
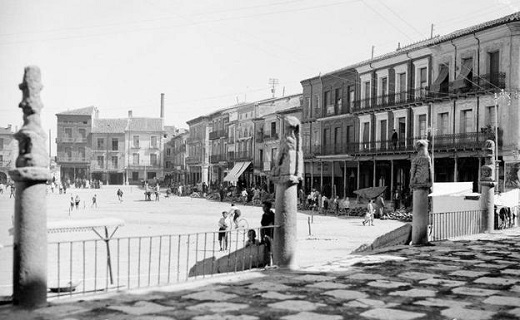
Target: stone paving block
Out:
[296,305]
[412,275]
[464,253]
[311,316]
[217,307]
[141,307]
[314,278]
[414,293]
[468,291]
[210,296]
[391,314]
[466,314]
[366,276]
[496,281]
[506,262]
[387,284]
[225,317]
[62,309]
[443,267]
[491,266]
[369,303]
[468,273]
[503,301]
[346,294]
[150,318]
[435,302]
[515,289]
[442,282]
[515,312]
[278,296]
[269,286]
[328,285]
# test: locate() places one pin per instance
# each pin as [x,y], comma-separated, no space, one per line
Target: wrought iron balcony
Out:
[244,155]
[217,158]
[193,160]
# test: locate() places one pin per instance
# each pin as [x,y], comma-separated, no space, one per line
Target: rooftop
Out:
[145,124]
[87,111]
[109,125]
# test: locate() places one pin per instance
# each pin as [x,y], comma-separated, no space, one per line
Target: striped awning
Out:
[237,171]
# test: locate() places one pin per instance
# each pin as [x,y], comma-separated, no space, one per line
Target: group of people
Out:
[233,214]
[10,186]
[320,202]
[375,206]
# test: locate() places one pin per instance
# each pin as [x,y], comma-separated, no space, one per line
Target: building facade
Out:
[8,153]
[442,89]
[197,161]
[74,143]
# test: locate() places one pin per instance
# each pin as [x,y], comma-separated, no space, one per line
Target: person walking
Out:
[94,201]
[267,220]
[369,216]
[222,232]
[120,195]
[77,202]
[72,203]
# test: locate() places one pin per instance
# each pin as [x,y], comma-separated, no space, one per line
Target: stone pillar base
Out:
[420,217]
[285,236]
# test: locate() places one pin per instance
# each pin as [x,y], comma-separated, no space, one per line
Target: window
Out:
[337,139]
[326,98]
[367,90]
[168,151]
[83,133]
[68,153]
[401,87]
[384,127]
[384,89]
[81,152]
[153,159]
[422,126]
[135,176]
[135,159]
[494,68]
[490,116]
[100,143]
[136,141]
[1,143]
[114,162]
[338,95]
[423,78]
[153,142]
[307,106]
[273,129]
[326,138]
[351,96]
[68,133]
[100,161]
[443,123]
[466,119]
[115,144]
[366,134]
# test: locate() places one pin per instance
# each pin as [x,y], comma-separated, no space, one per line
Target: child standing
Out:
[369,216]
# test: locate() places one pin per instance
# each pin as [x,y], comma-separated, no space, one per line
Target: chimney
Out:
[96,113]
[162,105]
[129,114]
[9,126]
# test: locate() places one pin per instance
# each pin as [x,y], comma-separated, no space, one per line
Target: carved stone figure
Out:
[31,137]
[289,164]
[421,170]
[487,171]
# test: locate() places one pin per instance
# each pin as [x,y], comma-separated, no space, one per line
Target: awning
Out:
[436,86]
[237,171]
[465,69]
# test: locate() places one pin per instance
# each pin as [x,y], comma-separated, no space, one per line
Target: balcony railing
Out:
[217,134]
[192,160]
[231,155]
[217,158]
[272,136]
[71,140]
[106,166]
[244,155]
[63,159]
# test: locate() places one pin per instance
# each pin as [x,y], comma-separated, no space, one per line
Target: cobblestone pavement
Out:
[464,279]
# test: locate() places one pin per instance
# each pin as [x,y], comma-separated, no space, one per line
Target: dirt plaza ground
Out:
[331,237]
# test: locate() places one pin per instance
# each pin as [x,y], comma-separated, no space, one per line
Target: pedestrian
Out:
[397,200]
[94,201]
[72,203]
[156,191]
[369,216]
[395,138]
[380,203]
[120,195]
[222,232]
[77,201]
[251,238]
[267,220]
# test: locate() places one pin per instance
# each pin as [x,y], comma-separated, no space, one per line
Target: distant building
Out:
[74,143]
[109,157]
[8,153]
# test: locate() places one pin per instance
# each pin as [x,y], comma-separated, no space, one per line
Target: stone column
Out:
[421,182]
[487,184]
[286,173]
[30,220]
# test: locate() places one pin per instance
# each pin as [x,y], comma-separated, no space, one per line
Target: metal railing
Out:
[445,225]
[101,265]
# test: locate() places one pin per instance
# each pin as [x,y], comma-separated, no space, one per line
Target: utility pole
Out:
[372,55]
[431,31]
[273,83]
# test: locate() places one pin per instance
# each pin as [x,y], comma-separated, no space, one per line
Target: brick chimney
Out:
[129,114]
[162,105]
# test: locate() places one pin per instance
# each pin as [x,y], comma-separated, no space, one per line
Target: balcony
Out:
[193,160]
[231,155]
[272,136]
[259,137]
[141,166]
[63,158]
[96,166]
[440,143]
[71,140]
[217,134]
[217,158]
[490,82]
[244,155]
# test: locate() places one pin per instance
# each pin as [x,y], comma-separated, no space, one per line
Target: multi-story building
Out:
[218,139]
[8,153]
[74,143]
[144,148]
[175,157]
[197,161]
[441,89]
[109,157]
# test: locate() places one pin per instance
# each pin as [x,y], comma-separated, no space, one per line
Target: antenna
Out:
[273,83]
[373,47]
[431,31]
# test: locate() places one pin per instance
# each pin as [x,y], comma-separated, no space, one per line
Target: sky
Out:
[120,55]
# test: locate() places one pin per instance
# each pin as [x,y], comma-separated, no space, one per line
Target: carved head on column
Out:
[421,169]
[289,163]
